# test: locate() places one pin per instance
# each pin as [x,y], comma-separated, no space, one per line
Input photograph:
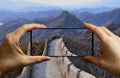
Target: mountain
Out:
[63,20]
[101,18]
[66,20]
[5,15]
[8,16]
[10,26]
[43,12]
[115,28]
[84,15]
[92,10]
[43,7]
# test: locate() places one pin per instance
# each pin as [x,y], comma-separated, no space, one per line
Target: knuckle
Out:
[24,26]
[97,29]
[101,64]
[103,27]
[27,27]
[9,39]
[38,60]
[35,61]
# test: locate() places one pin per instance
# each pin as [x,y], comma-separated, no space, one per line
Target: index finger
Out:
[19,32]
[97,31]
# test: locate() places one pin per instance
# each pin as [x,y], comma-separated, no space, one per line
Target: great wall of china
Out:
[68,70]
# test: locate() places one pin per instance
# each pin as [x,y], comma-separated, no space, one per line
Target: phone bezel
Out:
[31,40]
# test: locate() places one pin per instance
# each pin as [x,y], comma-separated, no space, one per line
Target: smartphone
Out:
[62,42]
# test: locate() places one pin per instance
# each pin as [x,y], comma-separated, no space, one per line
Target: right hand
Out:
[110,50]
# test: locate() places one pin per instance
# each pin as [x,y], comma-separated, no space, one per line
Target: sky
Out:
[17,4]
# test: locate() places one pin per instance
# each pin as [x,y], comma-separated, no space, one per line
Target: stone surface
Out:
[51,68]
[57,67]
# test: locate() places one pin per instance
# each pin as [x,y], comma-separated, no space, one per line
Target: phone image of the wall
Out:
[62,42]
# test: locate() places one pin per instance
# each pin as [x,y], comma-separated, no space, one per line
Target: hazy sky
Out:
[15,4]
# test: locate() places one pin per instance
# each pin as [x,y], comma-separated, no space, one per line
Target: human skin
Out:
[110,50]
[12,56]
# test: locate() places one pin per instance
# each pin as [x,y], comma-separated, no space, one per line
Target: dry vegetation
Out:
[38,47]
[13,74]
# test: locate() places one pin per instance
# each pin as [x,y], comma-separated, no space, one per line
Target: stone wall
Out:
[68,69]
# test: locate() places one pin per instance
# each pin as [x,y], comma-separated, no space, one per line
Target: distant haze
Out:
[64,4]
[1,24]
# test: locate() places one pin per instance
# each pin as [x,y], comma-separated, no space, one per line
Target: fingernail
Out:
[47,58]
[43,25]
[86,25]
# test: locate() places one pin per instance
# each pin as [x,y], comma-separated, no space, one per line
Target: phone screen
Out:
[60,42]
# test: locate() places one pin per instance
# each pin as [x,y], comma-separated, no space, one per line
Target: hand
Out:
[12,56]
[110,49]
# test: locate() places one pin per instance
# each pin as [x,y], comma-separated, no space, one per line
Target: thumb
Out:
[35,59]
[93,59]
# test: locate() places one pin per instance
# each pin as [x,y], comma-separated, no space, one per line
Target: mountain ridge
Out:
[67,20]
[63,20]
[102,18]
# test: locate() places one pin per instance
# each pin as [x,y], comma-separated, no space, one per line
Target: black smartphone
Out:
[62,42]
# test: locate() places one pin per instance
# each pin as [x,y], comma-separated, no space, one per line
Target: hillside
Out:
[92,10]
[64,20]
[42,12]
[114,28]
[101,18]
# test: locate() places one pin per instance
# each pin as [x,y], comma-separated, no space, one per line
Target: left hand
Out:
[12,56]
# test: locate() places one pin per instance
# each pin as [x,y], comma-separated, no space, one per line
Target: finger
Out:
[35,59]
[97,31]
[108,32]
[94,60]
[25,28]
